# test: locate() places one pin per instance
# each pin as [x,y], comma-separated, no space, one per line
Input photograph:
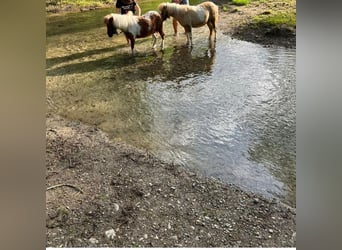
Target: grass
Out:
[80,3]
[278,13]
[241,2]
[277,19]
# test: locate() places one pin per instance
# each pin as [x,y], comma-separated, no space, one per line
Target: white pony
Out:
[136,26]
[192,16]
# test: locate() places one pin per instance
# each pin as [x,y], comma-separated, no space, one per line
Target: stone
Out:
[110,234]
[174,237]
[93,240]
[116,207]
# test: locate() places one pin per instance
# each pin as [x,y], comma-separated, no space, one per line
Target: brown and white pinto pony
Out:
[136,26]
[190,16]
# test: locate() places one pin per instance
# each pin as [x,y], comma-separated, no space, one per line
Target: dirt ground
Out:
[104,194]
[237,21]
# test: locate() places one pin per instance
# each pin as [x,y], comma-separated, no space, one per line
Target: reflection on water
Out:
[227,110]
[235,121]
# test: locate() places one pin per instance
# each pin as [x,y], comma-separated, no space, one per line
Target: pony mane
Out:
[171,7]
[121,21]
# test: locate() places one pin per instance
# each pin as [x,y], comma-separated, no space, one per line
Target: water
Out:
[226,112]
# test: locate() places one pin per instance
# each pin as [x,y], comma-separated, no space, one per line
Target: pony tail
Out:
[214,13]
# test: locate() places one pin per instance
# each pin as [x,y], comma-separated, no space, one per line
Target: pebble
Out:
[116,207]
[174,237]
[93,240]
[110,234]
[270,230]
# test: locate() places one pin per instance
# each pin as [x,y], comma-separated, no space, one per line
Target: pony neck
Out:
[174,8]
[123,21]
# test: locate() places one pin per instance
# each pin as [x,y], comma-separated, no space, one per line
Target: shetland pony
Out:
[136,26]
[192,16]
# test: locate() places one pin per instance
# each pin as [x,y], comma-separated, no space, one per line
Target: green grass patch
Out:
[277,19]
[79,3]
[241,2]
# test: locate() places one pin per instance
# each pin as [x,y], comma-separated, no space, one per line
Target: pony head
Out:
[109,21]
[163,9]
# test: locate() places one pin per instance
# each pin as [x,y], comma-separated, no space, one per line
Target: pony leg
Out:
[154,37]
[190,38]
[162,37]
[215,32]
[162,44]
[132,40]
[188,32]
[212,29]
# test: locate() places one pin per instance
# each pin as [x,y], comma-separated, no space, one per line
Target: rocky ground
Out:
[103,194]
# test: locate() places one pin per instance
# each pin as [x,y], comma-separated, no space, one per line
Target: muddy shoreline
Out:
[96,186]
[105,194]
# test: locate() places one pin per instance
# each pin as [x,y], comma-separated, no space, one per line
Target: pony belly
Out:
[197,25]
[145,33]
[199,18]
[146,28]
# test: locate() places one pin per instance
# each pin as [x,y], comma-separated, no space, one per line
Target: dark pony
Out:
[136,26]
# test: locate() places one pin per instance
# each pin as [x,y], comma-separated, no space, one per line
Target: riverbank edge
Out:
[95,185]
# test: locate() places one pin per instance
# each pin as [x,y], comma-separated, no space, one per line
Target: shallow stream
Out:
[226,111]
